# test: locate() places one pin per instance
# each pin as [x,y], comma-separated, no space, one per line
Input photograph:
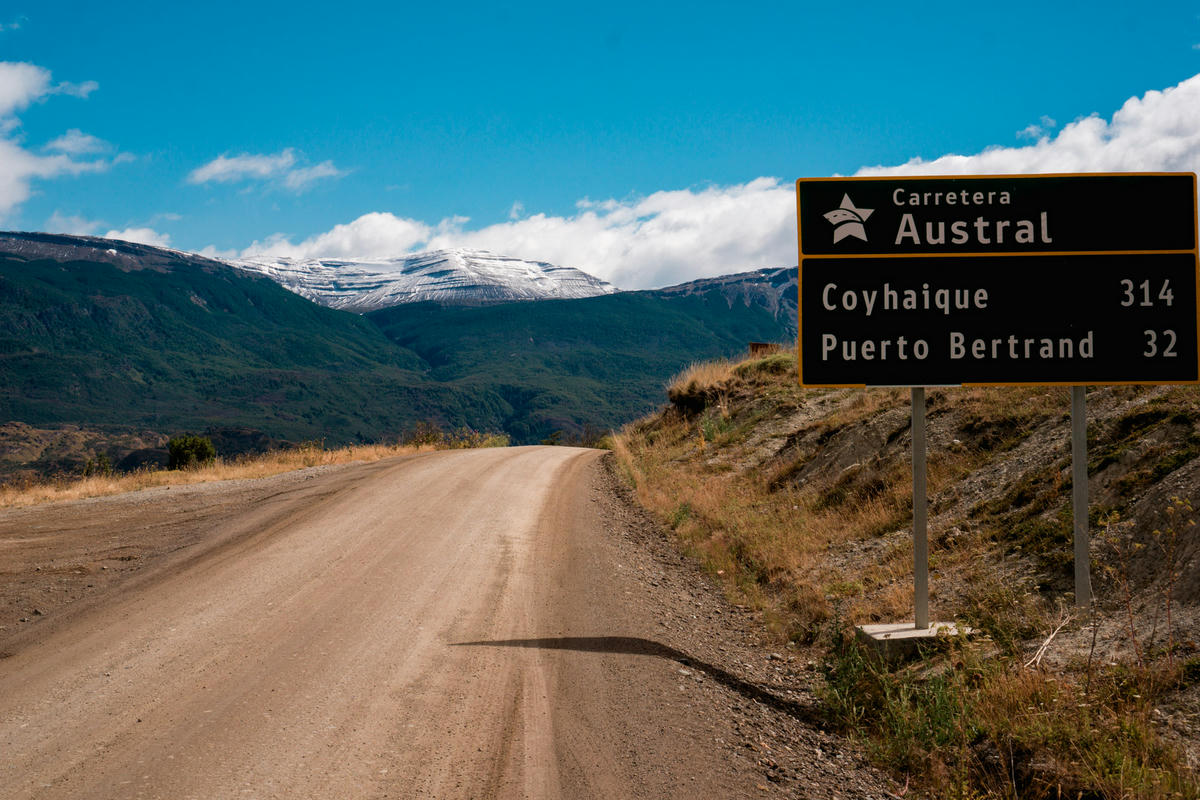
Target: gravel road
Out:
[460,624]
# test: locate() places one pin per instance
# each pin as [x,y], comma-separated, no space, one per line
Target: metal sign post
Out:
[920,511]
[1079,497]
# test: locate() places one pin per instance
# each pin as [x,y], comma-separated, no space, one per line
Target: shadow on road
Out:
[631,645]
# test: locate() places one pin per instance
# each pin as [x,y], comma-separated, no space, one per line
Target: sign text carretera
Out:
[927,281]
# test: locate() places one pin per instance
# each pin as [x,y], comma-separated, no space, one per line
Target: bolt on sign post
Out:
[999,280]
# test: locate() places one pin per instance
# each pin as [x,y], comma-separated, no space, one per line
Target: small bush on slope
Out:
[188,451]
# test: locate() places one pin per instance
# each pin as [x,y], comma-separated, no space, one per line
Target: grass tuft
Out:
[968,725]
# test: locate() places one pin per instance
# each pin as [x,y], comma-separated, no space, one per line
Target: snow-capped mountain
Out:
[450,277]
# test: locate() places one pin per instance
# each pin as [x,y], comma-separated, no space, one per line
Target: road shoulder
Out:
[722,659]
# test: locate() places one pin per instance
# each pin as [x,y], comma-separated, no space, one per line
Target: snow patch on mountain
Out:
[450,277]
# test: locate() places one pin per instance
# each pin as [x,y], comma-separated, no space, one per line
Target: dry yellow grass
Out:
[701,375]
[261,466]
[816,545]
[797,552]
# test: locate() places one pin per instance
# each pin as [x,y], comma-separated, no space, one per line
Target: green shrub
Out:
[100,466]
[430,434]
[188,451]
[425,432]
[774,364]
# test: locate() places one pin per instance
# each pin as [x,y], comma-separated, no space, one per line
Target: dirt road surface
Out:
[460,624]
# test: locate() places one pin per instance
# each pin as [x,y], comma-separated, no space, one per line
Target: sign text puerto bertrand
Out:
[936,281]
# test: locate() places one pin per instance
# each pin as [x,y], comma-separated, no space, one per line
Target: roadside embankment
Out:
[800,501]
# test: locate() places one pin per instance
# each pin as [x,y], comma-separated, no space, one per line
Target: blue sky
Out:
[645,142]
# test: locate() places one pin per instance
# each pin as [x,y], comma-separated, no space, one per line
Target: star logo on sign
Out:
[848,220]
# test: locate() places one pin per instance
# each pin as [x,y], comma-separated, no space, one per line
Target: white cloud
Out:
[76,89]
[141,235]
[214,252]
[517,210]
[20,85]
[1038,129]
[59,222]
[665,238]
[374,235]
[76,143]
[68,223]
[279,167]
[674,236]
[19,167]
[224,169]
[1159,131]
[299,179]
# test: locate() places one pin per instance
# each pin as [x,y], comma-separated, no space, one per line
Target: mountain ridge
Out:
[333,282]
[32,245]
[456,276]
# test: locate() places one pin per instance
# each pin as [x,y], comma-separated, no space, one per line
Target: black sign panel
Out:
[998,280]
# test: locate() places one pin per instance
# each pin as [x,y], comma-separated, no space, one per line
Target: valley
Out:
[120,339]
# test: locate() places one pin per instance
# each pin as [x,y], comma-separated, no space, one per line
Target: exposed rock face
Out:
[775,289]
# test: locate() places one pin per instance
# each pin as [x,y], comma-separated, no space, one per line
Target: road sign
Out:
[935,281]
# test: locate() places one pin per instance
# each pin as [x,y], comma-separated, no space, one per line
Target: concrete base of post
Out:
[903,641]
